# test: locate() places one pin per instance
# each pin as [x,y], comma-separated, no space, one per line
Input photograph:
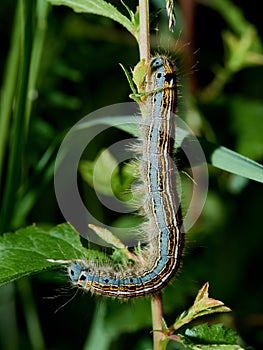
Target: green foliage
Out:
[247,122]
[233,162]
[217,334]
[102,8]
[243,48]
[27,251]
[111,179]
[204,337]
[202,306]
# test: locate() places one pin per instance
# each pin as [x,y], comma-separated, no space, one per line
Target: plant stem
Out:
[8,91]
[144,47]
[31,315]
[144,36]
[157,314]
[18,132]
[100,335]
[41,12]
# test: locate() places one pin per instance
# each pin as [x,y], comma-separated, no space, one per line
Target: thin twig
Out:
[144,45]
[157,314]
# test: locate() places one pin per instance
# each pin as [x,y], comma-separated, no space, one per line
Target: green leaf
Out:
[98,7]
[106,176]
[203,305]
[186,344]
[214,334]
[233,162]
[139,75]
[27,250]
[134,94]
[101,174]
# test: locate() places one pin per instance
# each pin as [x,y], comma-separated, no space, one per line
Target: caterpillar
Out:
[160,259]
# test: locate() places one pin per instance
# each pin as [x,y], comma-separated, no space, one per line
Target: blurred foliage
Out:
[77,71]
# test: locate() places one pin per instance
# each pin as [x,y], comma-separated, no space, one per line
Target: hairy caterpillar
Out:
[160,259]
